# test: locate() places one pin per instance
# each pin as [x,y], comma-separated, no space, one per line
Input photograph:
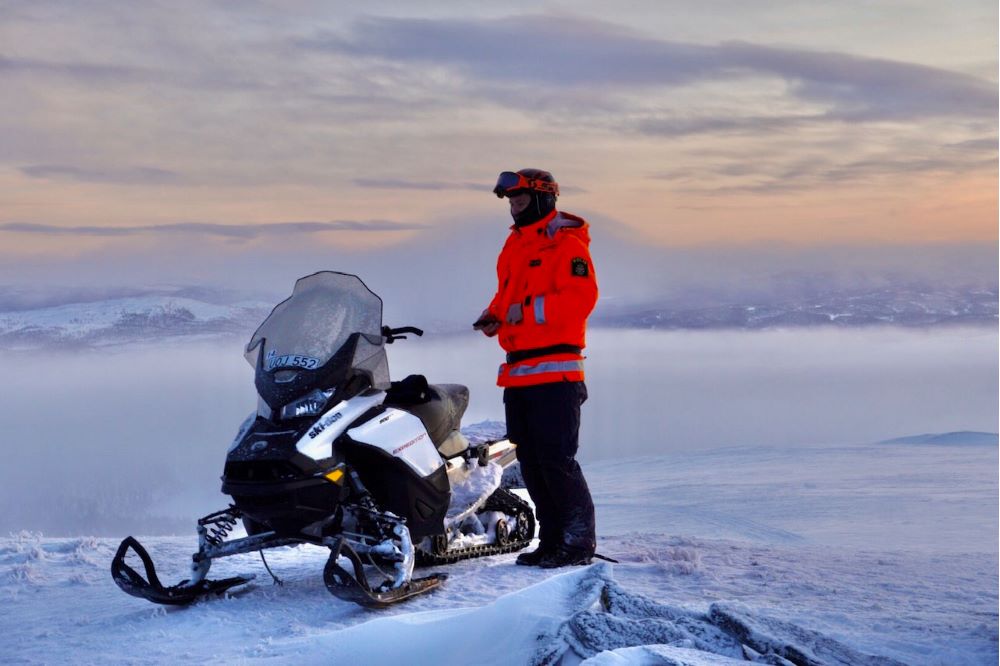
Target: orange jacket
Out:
[546,267]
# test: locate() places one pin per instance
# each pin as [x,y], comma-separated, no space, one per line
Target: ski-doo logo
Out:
[290,361]
[410,443]
[324,424]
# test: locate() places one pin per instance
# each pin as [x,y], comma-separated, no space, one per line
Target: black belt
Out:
[525,354]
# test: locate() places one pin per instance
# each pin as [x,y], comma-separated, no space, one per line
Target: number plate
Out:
[290,361]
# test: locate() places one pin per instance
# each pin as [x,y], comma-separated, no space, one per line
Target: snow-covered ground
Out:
[872,554]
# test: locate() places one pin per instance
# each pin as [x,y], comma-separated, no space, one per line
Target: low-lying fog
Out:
[113,442]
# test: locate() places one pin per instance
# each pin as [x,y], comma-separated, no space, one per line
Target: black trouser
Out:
[544,422]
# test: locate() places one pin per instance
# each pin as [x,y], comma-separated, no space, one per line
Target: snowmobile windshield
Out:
[331,324]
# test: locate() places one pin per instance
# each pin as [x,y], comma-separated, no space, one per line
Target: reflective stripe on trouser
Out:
[558,368]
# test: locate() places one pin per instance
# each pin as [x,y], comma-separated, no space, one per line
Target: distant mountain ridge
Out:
[960,438]
[898,306]
[88,319]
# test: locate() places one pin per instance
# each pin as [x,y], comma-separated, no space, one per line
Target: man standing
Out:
[546,290]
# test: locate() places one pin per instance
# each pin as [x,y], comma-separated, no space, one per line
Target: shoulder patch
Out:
[579,267]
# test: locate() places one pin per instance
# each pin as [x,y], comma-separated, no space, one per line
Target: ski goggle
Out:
[508,182]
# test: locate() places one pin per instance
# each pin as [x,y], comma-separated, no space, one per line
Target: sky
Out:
[252,142]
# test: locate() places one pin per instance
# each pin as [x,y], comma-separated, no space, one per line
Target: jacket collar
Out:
[552,223]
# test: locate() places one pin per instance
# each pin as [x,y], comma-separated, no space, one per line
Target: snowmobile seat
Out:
[439,407]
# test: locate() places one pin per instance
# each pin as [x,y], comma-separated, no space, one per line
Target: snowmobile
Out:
[336,455]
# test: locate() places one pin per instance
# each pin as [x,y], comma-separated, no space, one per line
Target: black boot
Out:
[547,540]
[566,556]
[533,557]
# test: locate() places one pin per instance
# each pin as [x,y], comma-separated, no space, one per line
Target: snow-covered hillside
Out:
[50,319]
[855,555]
[126,320]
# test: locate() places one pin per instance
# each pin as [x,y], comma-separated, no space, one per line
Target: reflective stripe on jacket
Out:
[546,268]
[544,370]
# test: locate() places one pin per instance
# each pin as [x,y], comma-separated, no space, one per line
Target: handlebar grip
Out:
[391,334]
[407,329]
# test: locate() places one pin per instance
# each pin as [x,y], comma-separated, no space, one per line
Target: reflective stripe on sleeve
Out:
[539,309]
[547,366]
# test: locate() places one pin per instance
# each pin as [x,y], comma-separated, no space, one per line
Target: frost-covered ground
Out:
[871,554]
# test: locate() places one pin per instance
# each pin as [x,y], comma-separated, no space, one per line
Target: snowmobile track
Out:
[505,502]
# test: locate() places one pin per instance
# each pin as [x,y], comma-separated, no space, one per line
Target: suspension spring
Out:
[218,525]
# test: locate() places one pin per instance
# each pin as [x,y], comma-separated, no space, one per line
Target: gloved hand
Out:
[487,323]
[515,314]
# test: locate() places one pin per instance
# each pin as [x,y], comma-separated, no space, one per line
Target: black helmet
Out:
[540,184]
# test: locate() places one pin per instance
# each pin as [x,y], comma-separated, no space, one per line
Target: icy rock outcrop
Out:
[631,628]
[629,620]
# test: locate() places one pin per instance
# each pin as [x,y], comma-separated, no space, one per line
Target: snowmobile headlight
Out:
[311,404]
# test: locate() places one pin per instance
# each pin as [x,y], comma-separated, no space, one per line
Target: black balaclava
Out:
[541,204]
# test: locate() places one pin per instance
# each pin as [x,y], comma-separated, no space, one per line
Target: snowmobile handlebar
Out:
[393,334]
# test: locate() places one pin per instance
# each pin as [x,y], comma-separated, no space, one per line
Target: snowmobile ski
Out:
[150,587]
[353,586]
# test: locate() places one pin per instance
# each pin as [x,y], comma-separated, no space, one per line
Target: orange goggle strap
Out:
[508,181]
